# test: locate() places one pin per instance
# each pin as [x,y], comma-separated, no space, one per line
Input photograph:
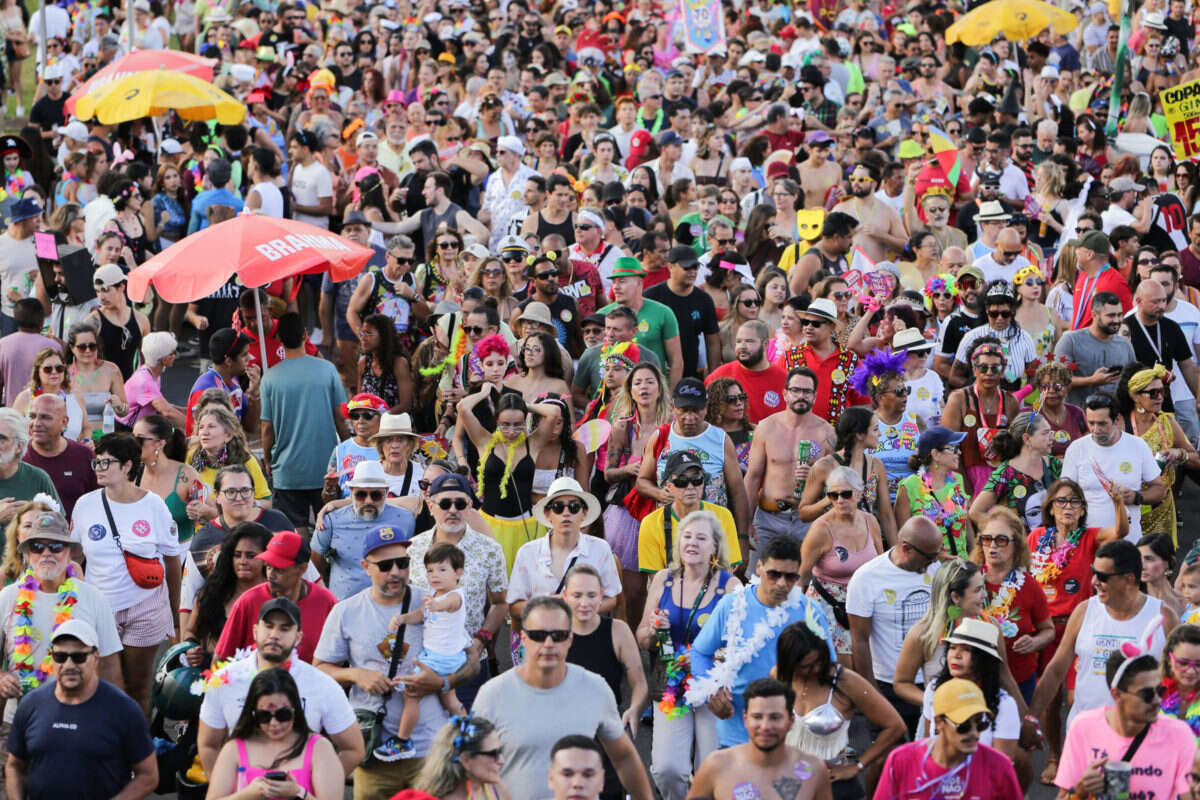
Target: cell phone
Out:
[276,775]
[1112,369]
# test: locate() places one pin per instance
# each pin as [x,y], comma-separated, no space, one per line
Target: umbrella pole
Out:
[262,336]
[129,22]
[44,55]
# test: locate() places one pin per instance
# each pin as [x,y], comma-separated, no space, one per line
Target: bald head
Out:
[1009,239]
[1151,301]
[47,421]
[953,259]
[918,543]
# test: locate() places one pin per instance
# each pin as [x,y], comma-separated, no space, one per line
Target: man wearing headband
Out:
[1112,460]
[589,263]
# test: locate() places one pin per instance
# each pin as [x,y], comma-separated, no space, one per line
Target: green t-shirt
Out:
[656,324]
[27,481]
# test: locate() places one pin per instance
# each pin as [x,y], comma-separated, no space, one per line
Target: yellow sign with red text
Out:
[1181,106]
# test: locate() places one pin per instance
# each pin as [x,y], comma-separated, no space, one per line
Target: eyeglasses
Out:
[101,464]
[776,575]
[683,483]
[77,657]
[811,323]
[752,302]
[989,369]
[1148,694]
[736,399]
[539,636]
[844,494]
[1153,394]
[491,271]
[238,493]
[84,346]
[363,413]
[1184,663]
[999,314]
[262,716]
[980,723]
[37,548]
[374,494]
[1105,577]
[56,369]
[458,504]
[559,506]
[902,391]
[1052,387]
[950,449]
[1000,541]
[388,564]
[474,330]
[1063,502]
[800,390]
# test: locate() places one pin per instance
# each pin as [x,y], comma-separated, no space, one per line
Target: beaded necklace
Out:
[1049,560]
[946,514]
[23,631]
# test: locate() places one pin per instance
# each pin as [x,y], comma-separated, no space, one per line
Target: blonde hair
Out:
[952,577]
[715,530]
[1016,529]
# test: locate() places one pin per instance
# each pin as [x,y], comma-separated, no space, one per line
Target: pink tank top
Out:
[302,776]
[839,562]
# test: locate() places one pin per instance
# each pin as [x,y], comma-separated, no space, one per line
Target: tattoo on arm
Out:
[788,788]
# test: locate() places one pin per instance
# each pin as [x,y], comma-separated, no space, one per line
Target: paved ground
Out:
[178,381]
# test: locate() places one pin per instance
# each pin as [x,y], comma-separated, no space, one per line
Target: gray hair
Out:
[400,242]
[715,530]
[846,476]
[18,427]
[1047,125]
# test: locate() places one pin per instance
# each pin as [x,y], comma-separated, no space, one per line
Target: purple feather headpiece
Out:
[874,366]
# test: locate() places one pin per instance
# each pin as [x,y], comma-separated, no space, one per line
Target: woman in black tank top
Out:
[605,646]
[120,341]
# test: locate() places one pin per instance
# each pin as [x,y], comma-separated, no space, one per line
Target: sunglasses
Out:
[493,754]
[1153,394]
[539,636]
[999,314]
[403,260]
[1052,387]
[263,716]
[239,493]
[980,723]
[683,483]
[751,303]
[77,657]
[902,391]
[968,282]
[1034,281]
[548,275]
[447,245]
[458,504]
[736,399]
[374,494]
[1147,261]
[361,414]
[989,369]
[474,330]
[777,575]
[844,494]
[492,271]
[942,295]
[85,346]
[1000,541]
[54,368]
[811,323]
[1148,694]
[725,242]
[1105,577]
[1010,253]
[842,295]
[584,227]
[559,506]
[389,564]
[37,548]
[512,259]
[930,557]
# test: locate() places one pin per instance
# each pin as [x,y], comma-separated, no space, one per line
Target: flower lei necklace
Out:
[739,652]
[496,439]
[1175,705]
[1049,560]
[999,606]
[31,677]
[946,514]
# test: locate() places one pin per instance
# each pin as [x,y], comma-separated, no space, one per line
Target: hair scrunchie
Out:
[1143,378]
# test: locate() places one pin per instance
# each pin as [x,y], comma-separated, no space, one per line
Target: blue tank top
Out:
[709,446]
[682,634]
[896,443]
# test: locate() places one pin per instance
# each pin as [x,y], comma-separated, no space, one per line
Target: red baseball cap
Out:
[286,549]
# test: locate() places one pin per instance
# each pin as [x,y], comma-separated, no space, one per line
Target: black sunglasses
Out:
[980,723]
[363,413]
[1148,694]
[558,506]
[683,482]
[77,657]
[458,504]
[752,302]
[262,716]
[545,276]
[389,564]
[1105,577]
[37,548]
[363,494]
[844,494]
[540,636]
[782,575]
[1153,394]
[404,260]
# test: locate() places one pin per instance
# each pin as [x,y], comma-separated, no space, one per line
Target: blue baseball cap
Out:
[669,137]
[936,438]
[451,482]
[388,534]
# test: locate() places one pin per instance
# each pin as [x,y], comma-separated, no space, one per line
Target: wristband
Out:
[445,684]
[1138,500]
[1037,722]
[860,766]
[484,636]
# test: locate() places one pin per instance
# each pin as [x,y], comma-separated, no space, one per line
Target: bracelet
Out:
[860,766]
[1037,723]
[484,635]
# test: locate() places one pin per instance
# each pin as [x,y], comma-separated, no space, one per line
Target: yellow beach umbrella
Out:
[154,92]
[1015,20]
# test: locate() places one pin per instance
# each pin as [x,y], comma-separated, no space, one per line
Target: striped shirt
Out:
[1017,345]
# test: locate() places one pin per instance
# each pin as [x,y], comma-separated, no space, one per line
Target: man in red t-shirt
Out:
[1095,275]
[760,380]
[779,131]
[287,556]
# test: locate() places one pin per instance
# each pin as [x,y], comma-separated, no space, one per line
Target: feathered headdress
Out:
[872,369]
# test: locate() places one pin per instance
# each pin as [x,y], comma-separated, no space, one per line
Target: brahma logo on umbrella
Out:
[276,249]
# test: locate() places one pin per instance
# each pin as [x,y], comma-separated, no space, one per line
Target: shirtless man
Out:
[773,475]
[765,768]
[881,231]
[819,173]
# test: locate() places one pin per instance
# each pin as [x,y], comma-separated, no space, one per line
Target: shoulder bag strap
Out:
[1135,744]
[563,580]
[397,648]
[407,480]
[111,522]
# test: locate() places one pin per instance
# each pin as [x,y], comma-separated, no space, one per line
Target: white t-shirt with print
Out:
[926,397]
[146,530]
[325,705]
[309,185]
[894,599]
[1187,317]
[1128,463]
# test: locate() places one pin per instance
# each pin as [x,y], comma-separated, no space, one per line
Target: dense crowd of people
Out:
[814,404]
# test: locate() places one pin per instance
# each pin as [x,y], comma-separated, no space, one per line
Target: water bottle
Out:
[110,419]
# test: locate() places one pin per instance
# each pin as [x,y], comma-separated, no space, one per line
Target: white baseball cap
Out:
[512,144]
[74,130]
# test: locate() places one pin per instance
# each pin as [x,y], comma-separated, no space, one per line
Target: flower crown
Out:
[1026,272]
[988,349]
[1033,366]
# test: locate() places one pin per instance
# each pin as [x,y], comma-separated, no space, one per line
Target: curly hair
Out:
[495,343]
[718,401]
[35,378]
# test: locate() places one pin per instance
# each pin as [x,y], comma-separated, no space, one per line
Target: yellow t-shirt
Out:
[261,490]
[652,554]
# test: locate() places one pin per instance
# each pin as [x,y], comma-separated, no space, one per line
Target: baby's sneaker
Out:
[395,750]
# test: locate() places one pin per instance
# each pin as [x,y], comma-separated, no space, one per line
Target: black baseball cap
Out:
[679,462]
[281,604]
[683,255]
[690,393]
